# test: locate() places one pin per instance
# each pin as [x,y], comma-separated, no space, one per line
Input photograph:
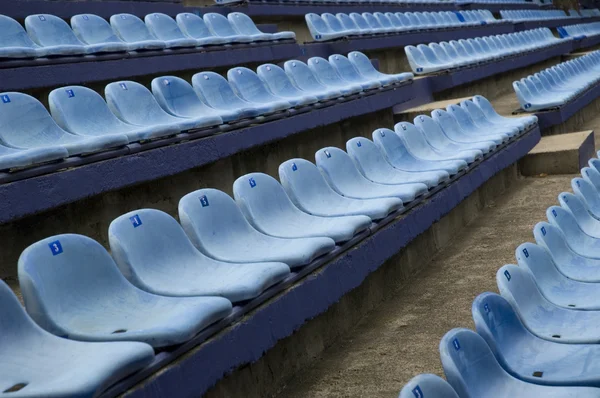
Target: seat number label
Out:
[136,221]
[55,247]
[417,392]
[204,201]
[252,182]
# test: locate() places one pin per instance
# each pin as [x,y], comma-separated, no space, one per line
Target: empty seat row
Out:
[593,12]
[359,2]
[555,86]
[330,27]
[533,15]
[539,337]
[436,57]
[47,35]
[82,122]
[580,30]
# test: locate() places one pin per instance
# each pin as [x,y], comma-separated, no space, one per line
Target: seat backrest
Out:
[345,68]
[215,91]
[163,26]
[135,104]
[462,117]
[130,28]
[302,76]
[427,385]
[586,192]
[277,80]
[243,24]
[360,21]
[177,97]
[365,155]
[371,20]
[92,29]
[192,25]
[62,275]
[412,138]
[334,23]
[475,112]
[301,179]
[362,63]
[246,84]
[50,30]
[324,72]
[592,175]
[537,261]
[395,21]
[432,131]
[336,166]
[390,145]
[564,220]
[576,206]
[553,240]
[219,25]
[447,123]
[15,325]
[383,20]
[13,34]
[83,111]
[347,22]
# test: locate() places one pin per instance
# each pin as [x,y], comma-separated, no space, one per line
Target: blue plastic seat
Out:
[415,142]
[479,119]
[587,192]
[178,98]
[36,363]
[14,41]
[73,288]
[28,125]
[427,385]
[280,84]
[245,25]
[577,240]
[247,85]
[164,28]
[320,30]
[453,130]
[579,210]
[11,158]
[349,25]
[438,140]
[134,32]
[134,104]
[267,207]
[82,111]
[364,66]
[216,92]
[90,29]
[349,73]
[468,125]
[592,176]
[217,227]
[193,26]
[153,252]
[420,63]
[373,164]
[473,371]
[309,191]
[540,316]
[336,25]
[305,80]
[221,27]
[342,175]
[528,357]
[328,76]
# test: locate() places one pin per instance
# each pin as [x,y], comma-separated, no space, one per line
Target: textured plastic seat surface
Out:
[154,253]
[280,84]
[267,207]
[342,175]
[349,73]
[328,76]
[473,371]
[217,227]
[374,166]
[72,288]
[578,208]
[220,27]
[540,316]
[11,158]
[309,191]
[14,41]
[54,35]
[49,366]
[438,140]
[134,31]
[27,124]
[135,104]
[479,119]
[165,28]
[364,66]
[216,92]
[306,81]
[577,240]
[246,84]
[556,287]
[585,189]
[245,25]
[82,111]
[320,30]
[194,26]
[453,130]
[93,30]
[528,357]
[178,98]
[427,385]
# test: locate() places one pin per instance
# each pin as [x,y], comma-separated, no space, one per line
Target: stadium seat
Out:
[556,287]
[320,30]
[73,288]
[490,113]
[178,98]
[56,35]
[28,125]
[216,226]
[134,32]
[134,104]
[90,29]
[194,26]
[587,192]
[570,264]
[453,130]
[82,111]
[438,140]
[349,25]
[481,121]
[577,240]
[11,158]
[578,208]
[372,163]
[306,81]
[280,84]
[473,371]
[269,210]
[528,357]
[328,76]
[349,73]
[415,142]
[364,66]
[427,385]
[221,27]
[36,363]
[247,85]
[216,92]
[153,252]
[591,174]
[309,191]
[341,175]
[337,26]
[468,125]
[540,316]
[164,28]
[245,25]
[14,42]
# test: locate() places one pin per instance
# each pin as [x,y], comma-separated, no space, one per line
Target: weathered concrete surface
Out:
[559,154]
[400,337]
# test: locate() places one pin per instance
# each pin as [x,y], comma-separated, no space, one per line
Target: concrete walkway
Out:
[400,338]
